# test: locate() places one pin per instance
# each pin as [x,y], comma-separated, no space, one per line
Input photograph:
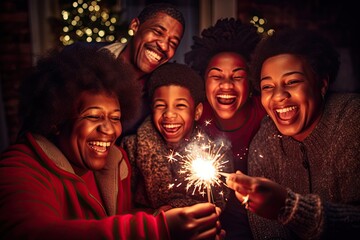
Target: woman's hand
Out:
[199,221]
[260,195]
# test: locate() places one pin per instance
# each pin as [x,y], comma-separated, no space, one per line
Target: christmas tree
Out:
[91,21]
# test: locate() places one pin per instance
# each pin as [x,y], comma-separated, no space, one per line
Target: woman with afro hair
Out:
[221,55]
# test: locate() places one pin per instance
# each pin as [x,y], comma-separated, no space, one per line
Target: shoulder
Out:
[342,107]
[115,48]
[266,134]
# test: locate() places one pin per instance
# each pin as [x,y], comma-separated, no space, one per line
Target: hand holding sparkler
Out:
[260,195]
[199,221]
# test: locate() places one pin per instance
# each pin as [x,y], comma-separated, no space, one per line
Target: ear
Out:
[324,86]
[198,111]
[134,24]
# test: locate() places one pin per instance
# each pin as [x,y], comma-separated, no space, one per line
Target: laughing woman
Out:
[305,158]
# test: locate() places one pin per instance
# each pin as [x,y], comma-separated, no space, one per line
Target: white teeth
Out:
[226,96]
[283,110]
[101,144]
[152,55]
[171,125]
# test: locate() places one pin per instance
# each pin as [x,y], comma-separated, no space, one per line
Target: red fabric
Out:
[240,138]
[38,200]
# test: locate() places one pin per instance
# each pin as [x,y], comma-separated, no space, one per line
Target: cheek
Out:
[84,129]
[265,100]
[189,118]
[118,130]
[156,115]
[210,87]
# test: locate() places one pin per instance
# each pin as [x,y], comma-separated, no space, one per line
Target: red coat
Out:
[42,198]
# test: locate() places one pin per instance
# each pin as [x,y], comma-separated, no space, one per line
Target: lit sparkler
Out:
[202,164]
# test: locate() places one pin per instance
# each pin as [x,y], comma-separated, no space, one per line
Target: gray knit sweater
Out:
[322,175]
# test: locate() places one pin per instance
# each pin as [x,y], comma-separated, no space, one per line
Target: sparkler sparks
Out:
[202,164]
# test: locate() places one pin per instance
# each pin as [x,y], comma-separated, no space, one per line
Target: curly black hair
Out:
[48,95]
[314,48]
[176,74]
[151,10]
[227,35]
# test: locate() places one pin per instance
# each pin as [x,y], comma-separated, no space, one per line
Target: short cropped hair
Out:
[227,35]
[315,49]
[179,75]
[49,94]
[152,10]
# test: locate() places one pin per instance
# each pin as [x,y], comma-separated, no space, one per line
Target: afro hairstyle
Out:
[227,35]
[48,95]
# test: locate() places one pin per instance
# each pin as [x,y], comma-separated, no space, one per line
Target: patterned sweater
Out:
[322,175]
[42,198]
[153,173]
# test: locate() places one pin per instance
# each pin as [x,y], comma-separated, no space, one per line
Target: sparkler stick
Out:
[208,188]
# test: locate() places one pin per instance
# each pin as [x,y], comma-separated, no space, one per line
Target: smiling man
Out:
[158,30]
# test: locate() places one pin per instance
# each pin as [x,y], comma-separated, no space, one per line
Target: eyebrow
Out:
[96,108]
[285,75]
[177,99]
[239,68]
[234,70]
[215,68]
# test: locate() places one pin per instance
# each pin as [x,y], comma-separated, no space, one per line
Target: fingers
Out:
[207,234]
[201,210]
[221,235]
[244,199]
[205,222]
[240,182]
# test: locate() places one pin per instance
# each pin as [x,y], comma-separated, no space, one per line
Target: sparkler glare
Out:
[202,165]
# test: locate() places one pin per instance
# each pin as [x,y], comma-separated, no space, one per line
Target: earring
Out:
[131,32]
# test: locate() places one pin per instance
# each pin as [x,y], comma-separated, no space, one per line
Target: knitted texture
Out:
[332,175]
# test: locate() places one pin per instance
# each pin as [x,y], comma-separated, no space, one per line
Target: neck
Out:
[125,57]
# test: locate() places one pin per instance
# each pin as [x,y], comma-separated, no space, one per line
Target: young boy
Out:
[176,93]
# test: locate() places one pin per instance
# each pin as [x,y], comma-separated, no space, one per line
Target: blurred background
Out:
[30,28]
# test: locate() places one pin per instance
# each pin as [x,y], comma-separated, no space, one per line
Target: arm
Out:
[37,204]
[333,208]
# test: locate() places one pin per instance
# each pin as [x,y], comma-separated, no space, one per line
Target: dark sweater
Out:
[322,175]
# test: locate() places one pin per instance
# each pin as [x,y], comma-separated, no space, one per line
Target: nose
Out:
[163,44]
[226,83]
[169,114]
[107,127]
[280,94]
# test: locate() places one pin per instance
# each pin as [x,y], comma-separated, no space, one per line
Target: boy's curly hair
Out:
[227,35]
[316,50]
[176,74]
[48,96]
